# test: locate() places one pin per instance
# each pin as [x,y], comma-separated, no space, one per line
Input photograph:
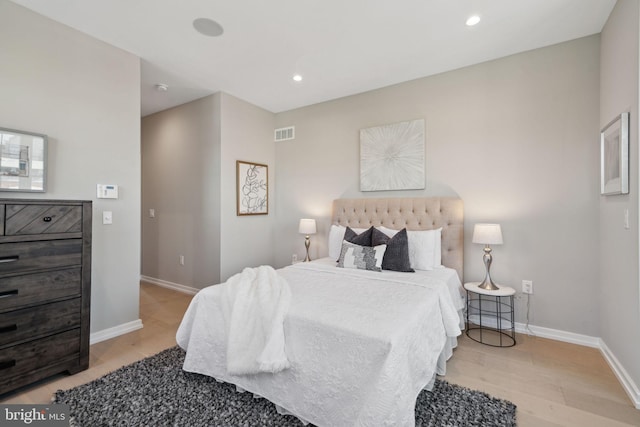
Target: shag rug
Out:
[157,392]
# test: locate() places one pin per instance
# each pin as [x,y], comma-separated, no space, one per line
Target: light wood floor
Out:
[552,383]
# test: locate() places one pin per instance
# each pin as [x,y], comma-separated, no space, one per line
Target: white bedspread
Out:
[361,344]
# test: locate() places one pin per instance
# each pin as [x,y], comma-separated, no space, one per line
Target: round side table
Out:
[490,315]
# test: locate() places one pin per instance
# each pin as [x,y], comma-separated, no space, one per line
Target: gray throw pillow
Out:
[396,257]
[362,239]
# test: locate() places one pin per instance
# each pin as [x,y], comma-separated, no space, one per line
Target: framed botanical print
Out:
[252,188]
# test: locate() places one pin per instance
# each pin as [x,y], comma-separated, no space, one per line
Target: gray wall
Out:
[618,247]
[85,95]
[247,134]
[181,182]
[515,138]
[189,178]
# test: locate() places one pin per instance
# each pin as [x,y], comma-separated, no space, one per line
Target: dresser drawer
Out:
[42,219]
[47,319]
[38,288]
[29,256]
[35,355]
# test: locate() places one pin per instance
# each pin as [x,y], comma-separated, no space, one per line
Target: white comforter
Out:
[361,344]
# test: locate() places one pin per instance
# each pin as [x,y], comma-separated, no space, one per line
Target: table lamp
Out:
[307,227]
[487,234]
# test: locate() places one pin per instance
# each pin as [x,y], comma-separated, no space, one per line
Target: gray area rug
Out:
[157,392]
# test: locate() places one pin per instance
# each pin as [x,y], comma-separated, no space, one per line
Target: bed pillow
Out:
[396,257]
[437,259]
[361,257]
[425,247]
[362,239]
[336,236]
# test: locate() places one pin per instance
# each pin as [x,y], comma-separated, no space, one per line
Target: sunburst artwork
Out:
[392,157]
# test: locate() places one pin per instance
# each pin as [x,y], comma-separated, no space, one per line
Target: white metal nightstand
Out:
[490,315]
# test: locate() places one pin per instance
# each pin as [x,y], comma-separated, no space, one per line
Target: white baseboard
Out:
[630,387]
[623,376]
[558,335]
[116,331]
[170,285]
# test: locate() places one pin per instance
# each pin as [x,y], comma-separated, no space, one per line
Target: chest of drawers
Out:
[45,289]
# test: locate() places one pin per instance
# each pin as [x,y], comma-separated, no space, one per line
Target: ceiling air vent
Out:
[284,134]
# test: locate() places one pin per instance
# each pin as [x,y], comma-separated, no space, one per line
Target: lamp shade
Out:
[307,226]
[487,234]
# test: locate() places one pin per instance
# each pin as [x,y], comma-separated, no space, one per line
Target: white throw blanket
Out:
[256,302]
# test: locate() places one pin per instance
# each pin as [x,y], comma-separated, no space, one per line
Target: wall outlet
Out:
[294,258]
[181,260]
[527,286]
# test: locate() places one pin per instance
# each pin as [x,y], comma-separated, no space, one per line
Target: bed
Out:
[361,344]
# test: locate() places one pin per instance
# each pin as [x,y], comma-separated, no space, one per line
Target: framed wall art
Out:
[614,156]
[252,188]
[23,161]
[392,157]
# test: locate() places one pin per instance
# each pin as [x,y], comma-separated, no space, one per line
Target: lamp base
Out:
[488,285]
[306,245]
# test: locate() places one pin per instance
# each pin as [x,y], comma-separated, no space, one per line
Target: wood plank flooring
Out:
[552,383]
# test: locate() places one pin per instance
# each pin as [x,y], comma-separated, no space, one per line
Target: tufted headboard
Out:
[424,213]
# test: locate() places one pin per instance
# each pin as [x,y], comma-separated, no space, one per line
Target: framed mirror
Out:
[23,161]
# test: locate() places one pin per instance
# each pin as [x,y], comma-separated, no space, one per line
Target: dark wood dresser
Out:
[45,289]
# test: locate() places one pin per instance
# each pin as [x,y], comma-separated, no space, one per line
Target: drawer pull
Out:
[7,294]
[7,364]
[47,219]
[12,258]
[8,328]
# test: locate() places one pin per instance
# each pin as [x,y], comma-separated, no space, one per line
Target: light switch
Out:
[107,217]
[626,219]
[152,213]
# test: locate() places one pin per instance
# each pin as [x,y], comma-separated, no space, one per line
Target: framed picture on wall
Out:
[614,156]
[23,161]
[392,157]
[252,188]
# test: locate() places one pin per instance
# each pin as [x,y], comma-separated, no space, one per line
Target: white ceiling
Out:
[340,47]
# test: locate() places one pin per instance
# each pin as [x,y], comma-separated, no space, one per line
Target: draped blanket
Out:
[259,299]
[253,306]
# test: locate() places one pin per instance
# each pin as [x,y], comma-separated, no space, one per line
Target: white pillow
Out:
[336,236]
[425,247]
[388,231]
[437,260]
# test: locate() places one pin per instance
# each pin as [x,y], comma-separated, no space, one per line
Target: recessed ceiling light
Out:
[297,78]
[473,20]
[208,27]
[161,87]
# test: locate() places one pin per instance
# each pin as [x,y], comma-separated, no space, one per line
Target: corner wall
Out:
[247,134]
[85,95]
[619,290]
[181,183]
[189,179]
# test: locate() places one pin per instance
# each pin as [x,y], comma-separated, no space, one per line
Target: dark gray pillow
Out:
[362,239]
[396,257]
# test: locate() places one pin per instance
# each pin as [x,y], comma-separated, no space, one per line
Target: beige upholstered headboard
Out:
[414,214]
